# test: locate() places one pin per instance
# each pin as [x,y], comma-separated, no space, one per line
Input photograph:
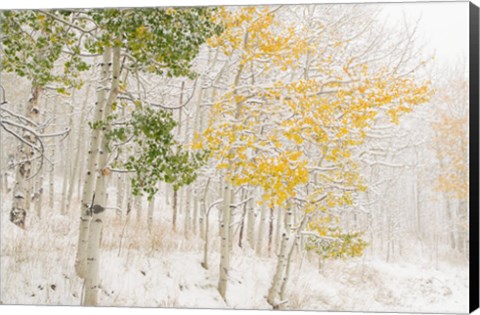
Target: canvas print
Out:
[282,157]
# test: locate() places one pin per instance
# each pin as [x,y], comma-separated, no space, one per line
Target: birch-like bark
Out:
[261,230]
[251,223]
[204,212]
[51,180]
[92,169]
[278,229]
[51,175]
[122,184]
[28,194]
[79,149]
[174,209]
[81,165]
[187,202]
[196,125]
[151,206]
[206,240]
[283,286]
[225,242]
[178,192]
[273,297]
[226,235]
[231,230]
[187,190]
[38,195]
[137,200]
[128,195]
[67,171]
[92,278]
[195,213]
[242,225]
[276,293]
[120,194]
[21,193]
[187,218]
[220,190]
[207,229]
[289,224]
[270,231]
[38,190]
[166,200]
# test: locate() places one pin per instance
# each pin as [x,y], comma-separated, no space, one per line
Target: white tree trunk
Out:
[151,206]
[21,192]
[174,209]
[51,175]
[138,205]
[66,174]
[273,297]
[261,230]
[28,194]
[270,230]
[128,194]
[66,154]
[81,166]
[242,221]
[206,239]
[251,223]
[188,204]
[92,277]
[38,194]
[196,125]
[204,211]
[195,213]
[276,293]
[278,229]
[225,242]
[79,150]
[92,170]
[120,194]
[289,221]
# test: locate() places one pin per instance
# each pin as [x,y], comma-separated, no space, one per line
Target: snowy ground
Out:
[162,269]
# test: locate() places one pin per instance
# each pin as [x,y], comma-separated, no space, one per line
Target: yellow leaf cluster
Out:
[452,143]
[254,33]
[274,141]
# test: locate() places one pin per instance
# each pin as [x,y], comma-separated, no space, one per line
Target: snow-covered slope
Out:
[162,269]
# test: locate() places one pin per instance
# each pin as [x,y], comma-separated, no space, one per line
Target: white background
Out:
[24,4]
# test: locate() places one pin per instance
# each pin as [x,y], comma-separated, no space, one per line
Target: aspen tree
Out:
[151,207]
[326,118]
[251,220]
[32,55]
[131,39]
[92,276]
[91,171]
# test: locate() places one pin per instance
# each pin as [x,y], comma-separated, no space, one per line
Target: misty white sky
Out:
[443,26]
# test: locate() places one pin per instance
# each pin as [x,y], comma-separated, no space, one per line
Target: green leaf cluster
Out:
[157,156]
[337,245]
[163,41]
[32,44]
